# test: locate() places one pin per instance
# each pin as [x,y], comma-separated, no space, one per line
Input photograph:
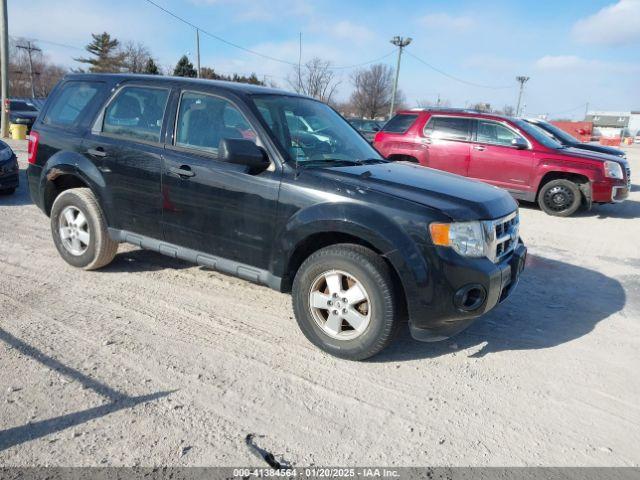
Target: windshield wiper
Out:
[329,162]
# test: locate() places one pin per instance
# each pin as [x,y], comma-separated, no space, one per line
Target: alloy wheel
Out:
[340,305]
[74,230]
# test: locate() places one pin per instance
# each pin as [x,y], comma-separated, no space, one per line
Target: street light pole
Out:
[4,66]
[400,43]
[522,80]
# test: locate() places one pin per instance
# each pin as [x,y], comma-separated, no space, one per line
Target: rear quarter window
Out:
[71,101]
[400,123]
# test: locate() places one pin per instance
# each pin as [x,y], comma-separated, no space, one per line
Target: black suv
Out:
[211,172]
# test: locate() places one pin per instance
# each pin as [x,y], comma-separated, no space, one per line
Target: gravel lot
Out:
[153,361]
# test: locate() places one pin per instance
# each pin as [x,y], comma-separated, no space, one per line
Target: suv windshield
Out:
[538,133]
[555,132]
[311,132]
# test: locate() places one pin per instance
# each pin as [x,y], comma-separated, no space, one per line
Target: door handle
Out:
[184,171]
[480,148]
[97,152]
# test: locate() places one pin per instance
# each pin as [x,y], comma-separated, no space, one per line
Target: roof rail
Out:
[446,109]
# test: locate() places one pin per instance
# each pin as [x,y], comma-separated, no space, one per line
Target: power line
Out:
[220,39]
[363,63]
[39,40]
[493,87]
[253,52]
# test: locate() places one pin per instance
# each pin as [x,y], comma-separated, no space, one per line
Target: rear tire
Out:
[560,198]
[79,230]
[359,327]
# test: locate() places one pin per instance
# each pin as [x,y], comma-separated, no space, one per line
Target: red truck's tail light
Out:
[377,137]
[32,148]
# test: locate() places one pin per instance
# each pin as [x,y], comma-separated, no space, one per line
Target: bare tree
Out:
[481,107]
[136,56]
[315,79]
[440,102]
[45,73]
[509,110]
[372,92]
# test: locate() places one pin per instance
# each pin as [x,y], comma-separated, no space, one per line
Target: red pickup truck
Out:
[506,152]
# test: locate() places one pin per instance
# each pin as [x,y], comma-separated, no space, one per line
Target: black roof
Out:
[230,86]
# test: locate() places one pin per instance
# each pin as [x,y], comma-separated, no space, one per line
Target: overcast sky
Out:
[575,51]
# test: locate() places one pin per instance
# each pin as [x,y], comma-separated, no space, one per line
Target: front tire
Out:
[79,230]
[343,300]
[560,198]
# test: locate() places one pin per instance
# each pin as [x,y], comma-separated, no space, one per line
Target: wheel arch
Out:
[580,179]
[399,157]
[66,170]
[321,225]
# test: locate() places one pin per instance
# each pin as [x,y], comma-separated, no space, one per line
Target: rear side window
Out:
[70,102]
[400,123]
[136,113]
[450,128]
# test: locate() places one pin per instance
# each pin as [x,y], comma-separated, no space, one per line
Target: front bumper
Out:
[439,314]
[612,191]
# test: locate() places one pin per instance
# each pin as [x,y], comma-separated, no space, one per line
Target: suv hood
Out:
[592,155]
[600,149]
[457,197]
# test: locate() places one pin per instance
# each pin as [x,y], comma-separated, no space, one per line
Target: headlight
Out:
[466,238]
[5,154]
[612,170]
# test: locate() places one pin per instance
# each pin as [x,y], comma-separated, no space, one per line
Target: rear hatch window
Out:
[400,123]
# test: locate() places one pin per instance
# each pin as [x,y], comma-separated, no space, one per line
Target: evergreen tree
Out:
[184,68]
[151,68]
[107,56]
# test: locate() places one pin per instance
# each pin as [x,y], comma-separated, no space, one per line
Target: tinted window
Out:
[21,106]
[400,123]
[204,120]
[72,99]
[491,132]
[451,128]
[136,112]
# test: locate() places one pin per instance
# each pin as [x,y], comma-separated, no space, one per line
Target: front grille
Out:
[501,236]
[629,178]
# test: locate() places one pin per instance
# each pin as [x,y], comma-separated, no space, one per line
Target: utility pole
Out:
[300,65]
[400,43]
[4,66]
[29,48]
[522,80]
[586,110]
[198,52]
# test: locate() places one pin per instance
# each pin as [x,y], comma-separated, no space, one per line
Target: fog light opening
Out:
[470,297]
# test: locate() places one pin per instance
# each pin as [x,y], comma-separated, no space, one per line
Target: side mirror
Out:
[242,152]
[376,128]
[520,143]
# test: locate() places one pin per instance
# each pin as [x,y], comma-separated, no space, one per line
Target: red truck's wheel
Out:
[560,198]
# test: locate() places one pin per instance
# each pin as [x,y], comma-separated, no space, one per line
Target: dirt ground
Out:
[154,361]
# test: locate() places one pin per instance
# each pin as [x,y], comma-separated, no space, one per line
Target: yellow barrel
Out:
[18,132]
